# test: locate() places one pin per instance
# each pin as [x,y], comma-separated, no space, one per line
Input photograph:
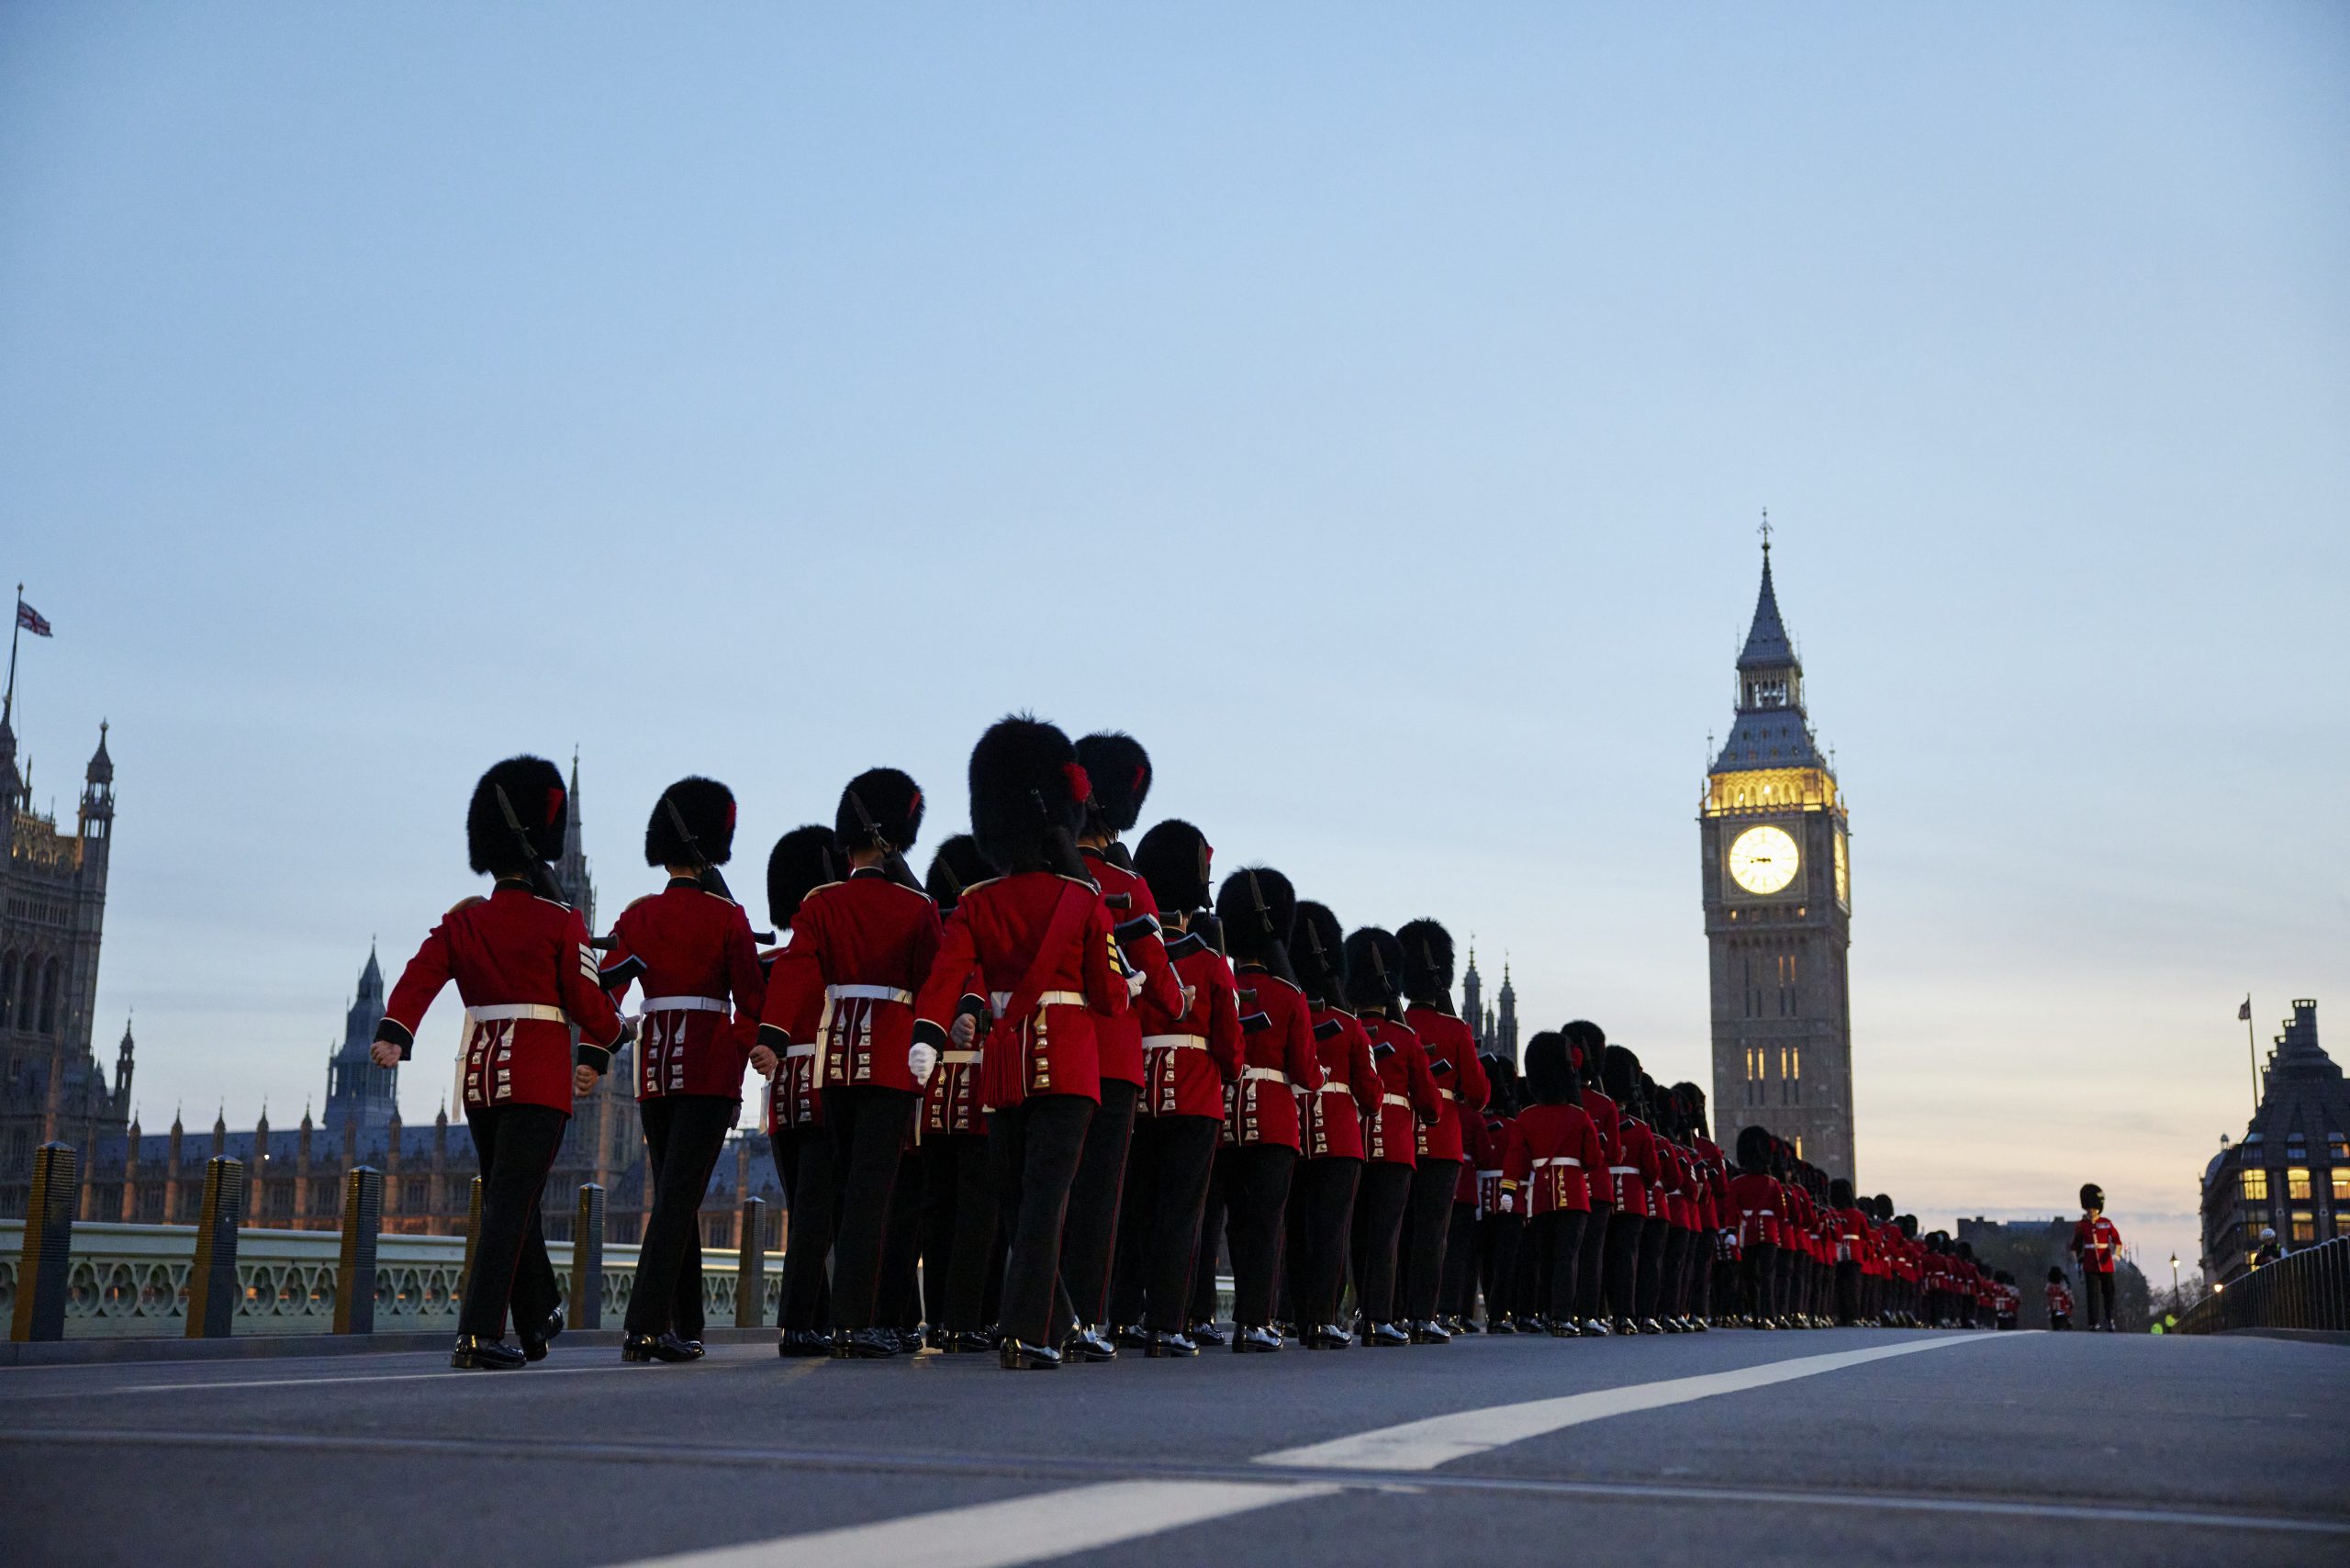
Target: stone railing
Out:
[131,1281]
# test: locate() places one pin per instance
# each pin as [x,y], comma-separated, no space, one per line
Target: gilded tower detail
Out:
[1775,868]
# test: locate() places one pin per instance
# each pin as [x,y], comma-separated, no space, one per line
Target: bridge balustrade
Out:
[2308,1289]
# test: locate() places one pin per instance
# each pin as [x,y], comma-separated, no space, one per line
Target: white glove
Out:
[1509,1203]
[920,1059]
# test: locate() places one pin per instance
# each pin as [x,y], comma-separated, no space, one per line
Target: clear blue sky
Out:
[1370,407]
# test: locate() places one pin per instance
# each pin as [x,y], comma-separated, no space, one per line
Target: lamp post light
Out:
[2174,1281]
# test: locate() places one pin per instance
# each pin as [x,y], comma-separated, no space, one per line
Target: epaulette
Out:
[642,898]
[971,887]
[466,902]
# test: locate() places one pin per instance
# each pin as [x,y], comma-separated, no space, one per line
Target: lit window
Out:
[2297,1185]
[2304,1226]
[2336,1148]
[2342,1186]
[1794,1061]
[2255,1185]
[1798,1146]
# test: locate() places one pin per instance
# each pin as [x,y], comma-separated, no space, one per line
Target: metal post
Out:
[473,1234]
[42,1266]
[587,1258]
[212,1288]
[354,1276]
[751,1269]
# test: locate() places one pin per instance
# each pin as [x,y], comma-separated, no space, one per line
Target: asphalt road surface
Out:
[1731,1447]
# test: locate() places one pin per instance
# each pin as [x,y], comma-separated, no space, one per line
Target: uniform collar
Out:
[677,882]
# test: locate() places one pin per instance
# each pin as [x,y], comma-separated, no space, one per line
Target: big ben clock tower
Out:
[1776,875]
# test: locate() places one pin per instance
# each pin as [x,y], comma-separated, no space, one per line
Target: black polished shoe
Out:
[973,1341]
[1325,1337]
[1527,1323]
[1429,1331]
[1254,1340]
[1386,1336]
[1651,1325]
[1205,1334]
[1132,1338]
[1014,1356]
[1500,1326]
[1083,1345]
[1468,1325]
[803,1342]
[1166,1347]
[654,1348]
[475,1353]
[694,1350]
[1564,1328]
[535,1341]
[864,1344]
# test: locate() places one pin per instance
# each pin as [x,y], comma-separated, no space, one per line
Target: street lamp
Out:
[2174,1281]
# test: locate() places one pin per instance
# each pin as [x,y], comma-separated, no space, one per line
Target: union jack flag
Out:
[30,620]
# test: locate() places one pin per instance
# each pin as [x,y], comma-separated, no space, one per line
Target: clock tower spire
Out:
[1775,875]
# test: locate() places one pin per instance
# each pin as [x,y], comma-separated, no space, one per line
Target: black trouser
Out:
[1258,1190]
[1034,1147]
[516,1144]
[1762,1262]
[683,1137]
[814,1199]
[1650,1299]
[1672,1300]
[1847,1293]
[1557,1238]
[1722,1295]
[1379,1225]
[1530,1282]
[1459,1297]
[958,1229]
[1321,1210]
[2097,1296]
[869,1127]
[1158,1220]
[1213,1214]
[1591,1271]
[1092,1234]
[1500,1239]
[901,1302]
[1623,1263]
[1420,1260]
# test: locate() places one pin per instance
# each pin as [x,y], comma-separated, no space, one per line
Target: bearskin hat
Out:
[1506,1093]
[1374,967]
[1840,1193]
[1619,1073]
[1257,907]
[1907,1225]
[1028,795]
[534,787]
[2092,1195]
[1120,770]
[1550,1075]
[1881,1209]
[2056,1275]
[701,830]
[1427,960]
[891,799]
[1320,961]
[955,866]
[1173,860]
[1585,1041]
[1754,1151]
[1693,1100]
[801,861]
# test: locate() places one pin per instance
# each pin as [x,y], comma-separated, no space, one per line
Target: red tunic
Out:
[2098,1243]
[792,1102]
[1190,1053]
[1459,1079]
[1609,1124]
[1635,1166]
[1350,1087]
[1757,1208]
[1408,1094]
[1118,1041]
[995,933]
[527,975]
[689,950]
[1564,1156]
[869,943]
[1283,1065]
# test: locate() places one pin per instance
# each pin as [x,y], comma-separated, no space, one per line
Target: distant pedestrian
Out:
[2060,1300]
[2097,1244]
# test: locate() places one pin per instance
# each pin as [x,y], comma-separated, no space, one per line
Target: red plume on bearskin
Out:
[707,809]
[801,861]
[534,787]
[1027,796]
[1119,771]
[894,802]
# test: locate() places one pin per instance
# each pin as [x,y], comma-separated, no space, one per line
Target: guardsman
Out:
[1119,770]
[1330,1164]
[1483,1253]
[958,1189]
[524,965]
[689,948]
[784,1052]
[2098,1244]
[1756,1196]
[1562,1163]
[1711,1263]
[1190,1053]
[1588,1044]
[1255,907]
[1408,1101]
[1451,1051]
[867,942]
[1851,1230]
[1635,1170]
[1038,939]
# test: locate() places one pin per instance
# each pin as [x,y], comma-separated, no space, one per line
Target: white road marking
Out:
[1439,1440]
[1018,1529]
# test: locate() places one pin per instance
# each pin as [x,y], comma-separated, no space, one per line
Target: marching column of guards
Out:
[1038,1102]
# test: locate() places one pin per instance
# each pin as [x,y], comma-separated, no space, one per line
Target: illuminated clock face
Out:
[1843,875]
[1763,859]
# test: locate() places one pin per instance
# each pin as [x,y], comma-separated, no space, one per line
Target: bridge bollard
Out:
[212,1288]
[587,1258]
[751,1266]
[473,1234]
[42,1267]
[354,1274]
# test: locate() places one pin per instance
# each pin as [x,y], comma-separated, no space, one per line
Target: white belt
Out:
[1002,999]
[684,1004]
[1623,1171]
[957,1059]
[1174,1042]
[508,1011]
[1334,1086]
[1481,1175]
[800,1053]
[869,994]
[1263,1075]
[1558,1160]
[1394,1100]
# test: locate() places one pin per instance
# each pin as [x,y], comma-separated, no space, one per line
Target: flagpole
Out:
[16,630]
[2252,1052]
